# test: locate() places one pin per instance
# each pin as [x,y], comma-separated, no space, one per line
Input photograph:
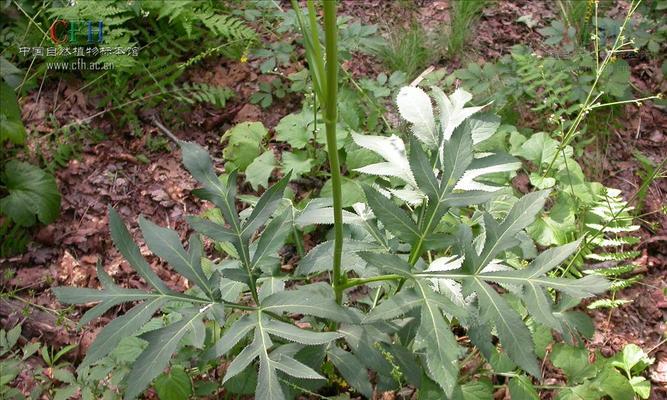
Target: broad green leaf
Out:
[521,388]
[174,385]
[393,217]
[162,343]
[11,125]
[293,129]
[573,361]
[309,300]
[475,390]
[414,105]
[260,169]
[632,359]
[351,188]
[166,244]
[125,325]
[294,334]
[611,382]
[123,241]
[297,163]
[243,143]
[33,194]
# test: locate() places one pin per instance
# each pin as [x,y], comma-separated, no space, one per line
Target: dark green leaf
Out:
[33,194]
[123,241]
[394,218]
[166,244]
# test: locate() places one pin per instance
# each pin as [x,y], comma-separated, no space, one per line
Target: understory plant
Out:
[429,263]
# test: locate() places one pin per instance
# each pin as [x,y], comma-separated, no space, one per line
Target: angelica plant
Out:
[431,275]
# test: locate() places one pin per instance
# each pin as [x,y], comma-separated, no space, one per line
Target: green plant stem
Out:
[330,119]
[363,281]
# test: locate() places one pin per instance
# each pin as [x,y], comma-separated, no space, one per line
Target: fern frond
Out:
[607,303]
[617,256]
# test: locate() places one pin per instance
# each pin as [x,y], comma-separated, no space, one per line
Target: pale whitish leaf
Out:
[294,334]
[489,164]
[348,365]
[123,241]
[313,215]
[452,110]
[607,303]
[482,126]
[125,325]
[448,287]
[392,149]
[613,229]
[411,196]
[162,343]
[166,244]
[414,105]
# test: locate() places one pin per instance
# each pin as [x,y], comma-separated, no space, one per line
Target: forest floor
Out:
[110,173]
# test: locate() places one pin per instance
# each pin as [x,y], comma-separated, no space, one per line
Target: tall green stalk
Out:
[325,84]
[330,119]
